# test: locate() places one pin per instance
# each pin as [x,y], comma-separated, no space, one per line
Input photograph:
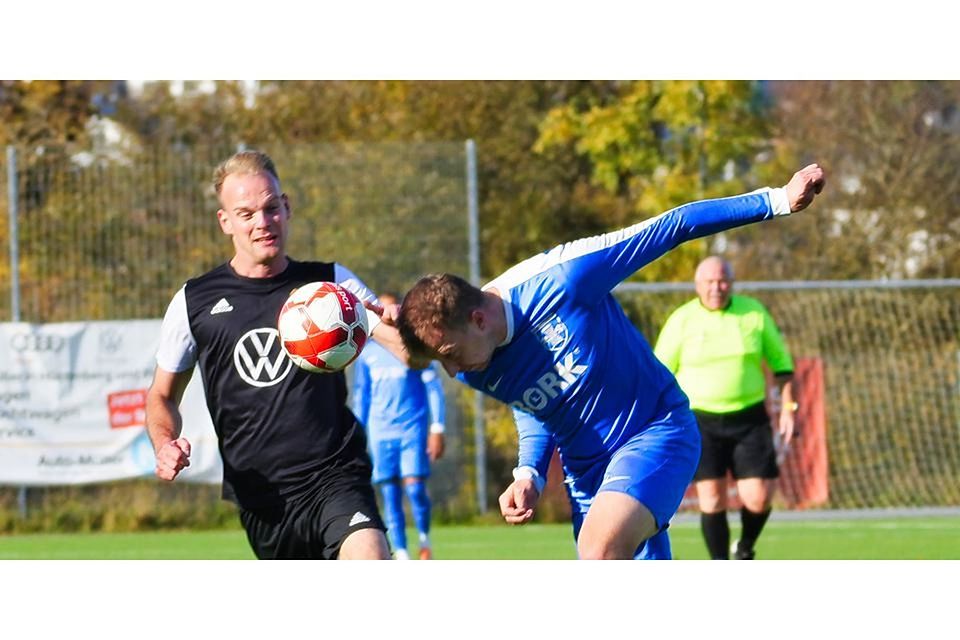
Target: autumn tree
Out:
[658,144]
[892,203]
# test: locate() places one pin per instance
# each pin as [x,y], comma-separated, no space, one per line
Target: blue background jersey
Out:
[391,399]
[576,371]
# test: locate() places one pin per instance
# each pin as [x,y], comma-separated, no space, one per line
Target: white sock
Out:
[401,554]
[424,540]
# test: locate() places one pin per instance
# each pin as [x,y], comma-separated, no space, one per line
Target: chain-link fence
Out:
[891,357]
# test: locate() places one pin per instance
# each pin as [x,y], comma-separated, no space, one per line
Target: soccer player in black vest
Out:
[294,457]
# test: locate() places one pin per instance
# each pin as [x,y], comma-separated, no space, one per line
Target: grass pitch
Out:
[908,538]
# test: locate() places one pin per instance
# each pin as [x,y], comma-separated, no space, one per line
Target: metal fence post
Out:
[473,216]
[13,201]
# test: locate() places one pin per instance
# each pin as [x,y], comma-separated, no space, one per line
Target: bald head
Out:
[714,282]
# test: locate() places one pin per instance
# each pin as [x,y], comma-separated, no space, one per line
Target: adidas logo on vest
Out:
[221,307]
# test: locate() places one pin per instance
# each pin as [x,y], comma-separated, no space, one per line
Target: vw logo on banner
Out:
[260,358]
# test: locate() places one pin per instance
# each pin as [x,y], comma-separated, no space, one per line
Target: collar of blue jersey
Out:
[508,314]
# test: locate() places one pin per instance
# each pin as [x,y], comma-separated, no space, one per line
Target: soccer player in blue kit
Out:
[547,338]
[403,412]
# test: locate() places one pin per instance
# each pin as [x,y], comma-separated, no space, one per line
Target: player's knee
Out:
[758,504]
[416,491]
[757,496]
[711,496]
[365,544]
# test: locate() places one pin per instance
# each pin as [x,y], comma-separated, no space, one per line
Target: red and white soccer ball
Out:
[323,327]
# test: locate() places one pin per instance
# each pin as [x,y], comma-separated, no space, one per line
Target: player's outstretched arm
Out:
[164,422]
[594,266]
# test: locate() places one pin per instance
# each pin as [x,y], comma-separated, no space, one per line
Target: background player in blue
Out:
[548,339]
[403,411]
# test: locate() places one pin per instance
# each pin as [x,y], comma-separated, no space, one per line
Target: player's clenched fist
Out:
[804,185]
[518,501]
[172,458]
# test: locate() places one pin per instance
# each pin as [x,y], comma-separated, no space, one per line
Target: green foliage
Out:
[529,202]
[890,209]
[136,505]
[46,113]
[660,144]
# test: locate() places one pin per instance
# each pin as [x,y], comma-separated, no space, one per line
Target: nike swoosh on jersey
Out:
[493,387]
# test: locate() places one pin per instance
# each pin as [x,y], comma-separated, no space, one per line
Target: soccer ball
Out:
[323,327]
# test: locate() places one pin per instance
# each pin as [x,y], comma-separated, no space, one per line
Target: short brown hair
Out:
[243,162]
[438,301]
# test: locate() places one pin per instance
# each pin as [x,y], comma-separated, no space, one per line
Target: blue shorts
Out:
[655,467]
[402,457]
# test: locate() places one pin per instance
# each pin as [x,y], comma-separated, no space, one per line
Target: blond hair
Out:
[243,162]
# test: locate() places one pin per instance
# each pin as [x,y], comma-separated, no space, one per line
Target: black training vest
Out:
[278,426]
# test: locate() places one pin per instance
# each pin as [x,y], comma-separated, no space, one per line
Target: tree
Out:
[194,118]
[658,144]
[46,113]
[528,201]
[891,207]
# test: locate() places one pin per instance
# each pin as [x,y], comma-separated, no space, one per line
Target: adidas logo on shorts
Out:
[358,518]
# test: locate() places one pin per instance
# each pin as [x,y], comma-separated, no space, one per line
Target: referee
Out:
[716,345]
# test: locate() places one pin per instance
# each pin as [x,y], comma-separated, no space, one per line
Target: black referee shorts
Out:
[741,442]
[314,523]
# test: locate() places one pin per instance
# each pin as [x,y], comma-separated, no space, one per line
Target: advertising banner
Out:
[72,405]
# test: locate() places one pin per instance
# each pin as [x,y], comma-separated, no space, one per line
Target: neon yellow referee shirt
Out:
[717,355]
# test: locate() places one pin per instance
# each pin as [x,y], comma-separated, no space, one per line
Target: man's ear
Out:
[224,220]
[479,318]
[286,205]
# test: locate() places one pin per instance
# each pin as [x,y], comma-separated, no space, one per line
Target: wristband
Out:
[529,473]
[779,202]
[373,320]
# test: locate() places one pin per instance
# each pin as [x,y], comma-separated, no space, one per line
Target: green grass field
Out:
[909,538]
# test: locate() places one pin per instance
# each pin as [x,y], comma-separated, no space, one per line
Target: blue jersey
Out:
[576,371]
[391,399]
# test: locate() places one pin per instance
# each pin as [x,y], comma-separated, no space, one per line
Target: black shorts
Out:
[313,524]
[741,442]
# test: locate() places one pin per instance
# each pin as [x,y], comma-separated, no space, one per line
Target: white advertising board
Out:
[72,400]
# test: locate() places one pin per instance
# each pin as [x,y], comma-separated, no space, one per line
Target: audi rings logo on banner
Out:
[260,359]
[37,342]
